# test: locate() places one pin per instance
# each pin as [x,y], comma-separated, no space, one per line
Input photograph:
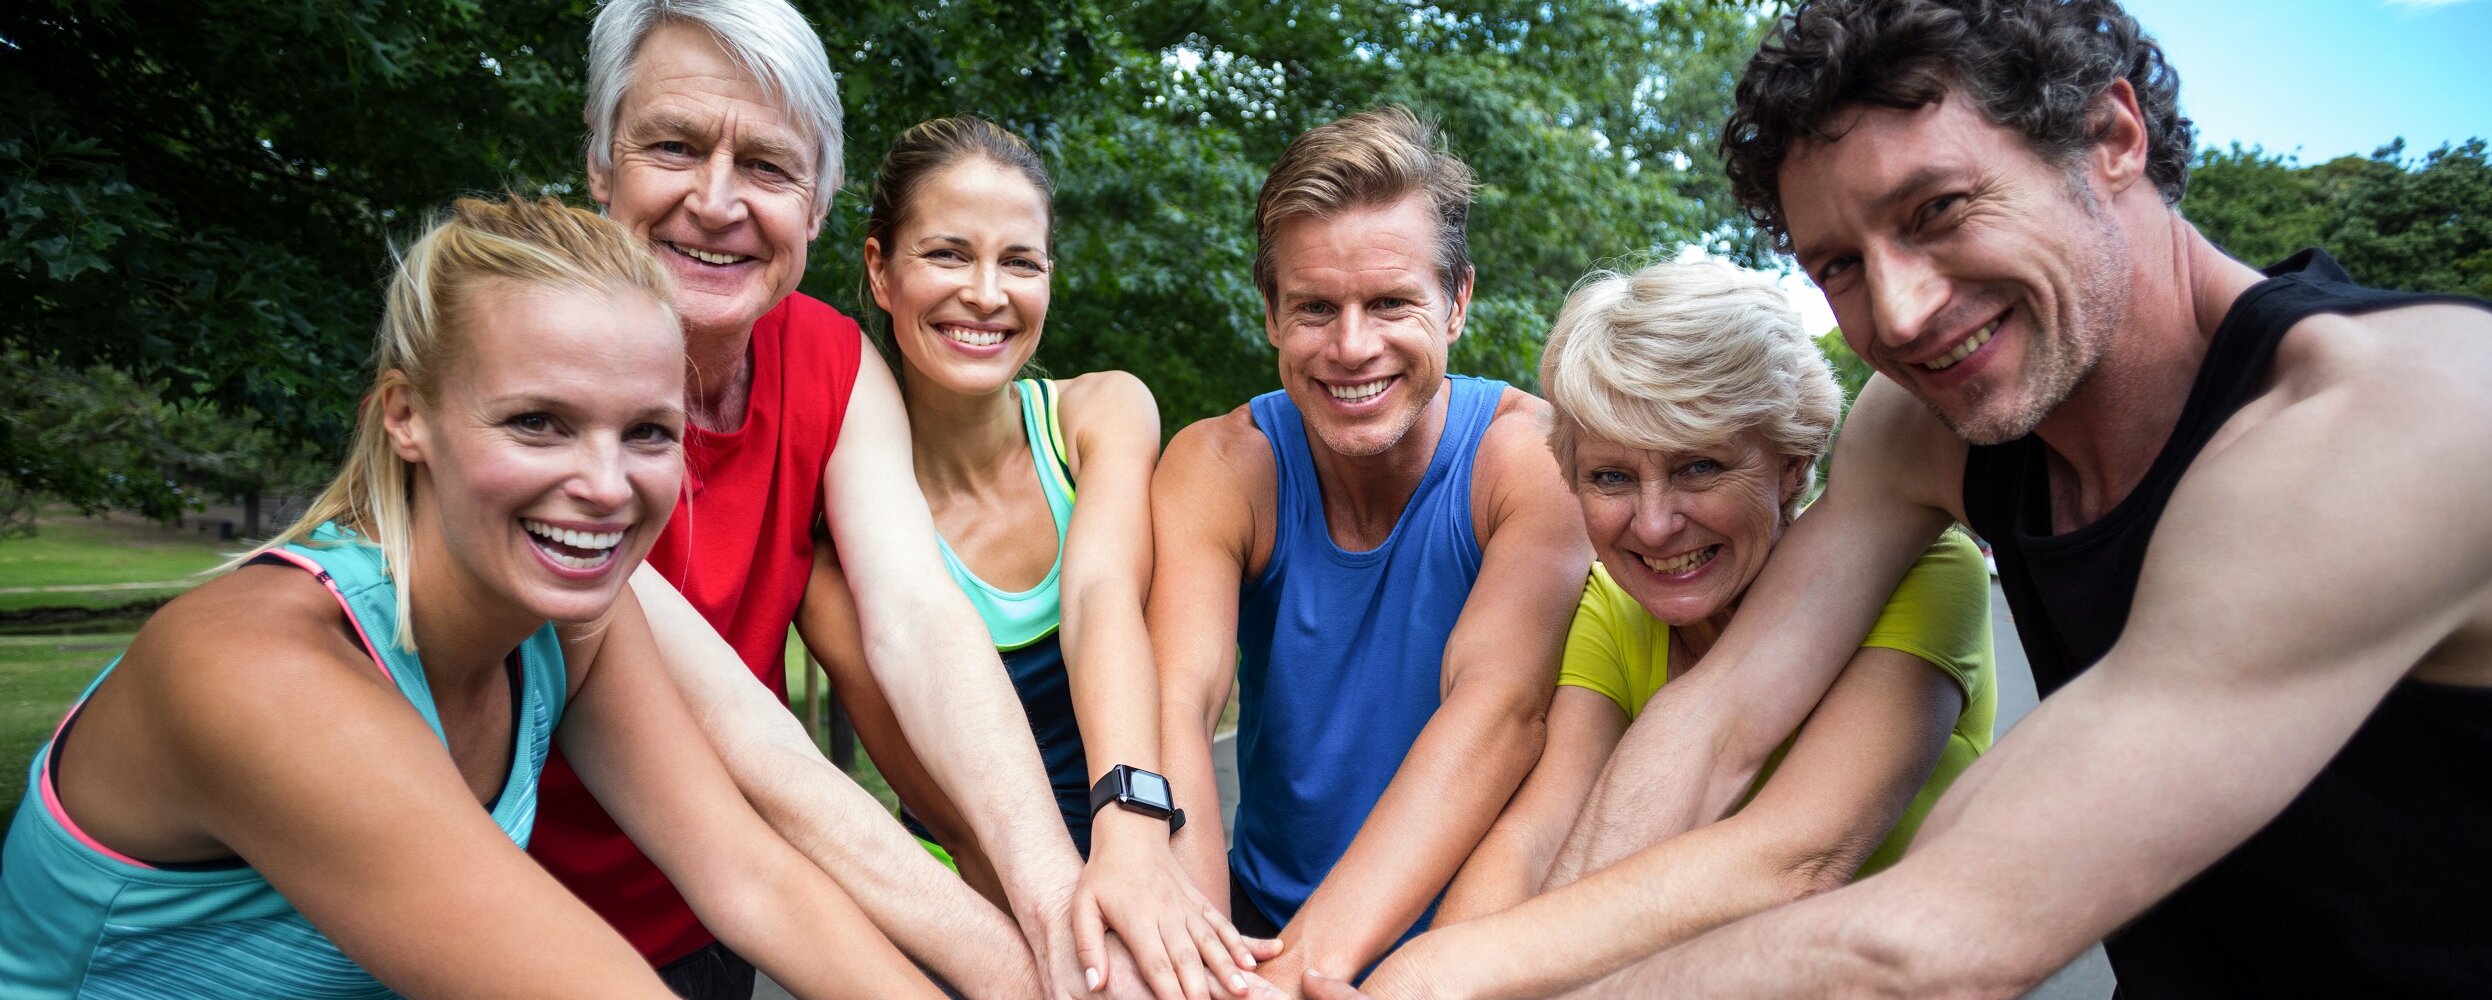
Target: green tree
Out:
[197,195]
[2418,225]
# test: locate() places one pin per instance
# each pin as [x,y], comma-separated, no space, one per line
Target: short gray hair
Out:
[767,37]
[1683,355]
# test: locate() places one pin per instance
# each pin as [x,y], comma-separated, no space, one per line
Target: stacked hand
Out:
[1181,946]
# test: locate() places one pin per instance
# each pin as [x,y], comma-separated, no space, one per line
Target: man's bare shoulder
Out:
[1228,448]
[2394,401]
[1217,471]
[2414,376]
[1514,450]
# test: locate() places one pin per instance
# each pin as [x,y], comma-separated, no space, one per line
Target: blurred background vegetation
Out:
[195,197]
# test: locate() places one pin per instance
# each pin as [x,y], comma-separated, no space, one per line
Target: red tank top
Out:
[740,547]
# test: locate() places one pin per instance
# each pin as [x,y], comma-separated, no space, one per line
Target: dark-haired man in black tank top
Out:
[2241,520]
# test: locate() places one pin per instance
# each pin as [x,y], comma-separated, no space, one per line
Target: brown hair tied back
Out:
[928,147]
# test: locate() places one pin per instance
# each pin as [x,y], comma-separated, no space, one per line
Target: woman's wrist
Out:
[1122,833]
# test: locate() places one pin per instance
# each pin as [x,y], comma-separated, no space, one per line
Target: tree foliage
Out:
[2422,225]
[198,194]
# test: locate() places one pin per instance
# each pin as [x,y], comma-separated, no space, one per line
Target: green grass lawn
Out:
[68,549]
[39,677]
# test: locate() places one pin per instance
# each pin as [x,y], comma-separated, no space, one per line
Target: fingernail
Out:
[1237,982]
[1250,959]
[1090,976]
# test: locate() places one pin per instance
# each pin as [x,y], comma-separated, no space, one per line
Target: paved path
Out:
[85,588]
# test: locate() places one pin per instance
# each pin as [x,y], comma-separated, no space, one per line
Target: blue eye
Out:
[531,423]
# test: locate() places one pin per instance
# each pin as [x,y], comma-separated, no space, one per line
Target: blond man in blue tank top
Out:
[1393,551]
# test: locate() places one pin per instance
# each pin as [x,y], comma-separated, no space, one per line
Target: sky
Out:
[2313,79]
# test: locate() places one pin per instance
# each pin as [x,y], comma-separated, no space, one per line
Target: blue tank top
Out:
[1341,653]
[82,920]
[1023,625]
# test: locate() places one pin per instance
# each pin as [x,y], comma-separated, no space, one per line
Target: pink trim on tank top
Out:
[52,796]
[322,575]
[60,815]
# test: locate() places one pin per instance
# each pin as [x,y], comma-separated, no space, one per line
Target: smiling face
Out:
[548,458]
[965,276]
[1979,276]
[1362,321]
[715,175]
[1684,531]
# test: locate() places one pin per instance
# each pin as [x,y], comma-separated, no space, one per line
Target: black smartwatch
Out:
[1140,791]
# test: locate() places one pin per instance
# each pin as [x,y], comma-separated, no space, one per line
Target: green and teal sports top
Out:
[1023,624]
[78,918]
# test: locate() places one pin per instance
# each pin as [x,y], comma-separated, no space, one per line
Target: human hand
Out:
[1321,987]
[1401,976]
[1180,942]
[1047,925]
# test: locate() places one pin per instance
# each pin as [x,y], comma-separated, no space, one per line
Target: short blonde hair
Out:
[1375,157]
[1683,355]
[475,245]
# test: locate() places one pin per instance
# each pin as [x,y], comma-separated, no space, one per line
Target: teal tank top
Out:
[1023,625]
[80,919]
[1017,619]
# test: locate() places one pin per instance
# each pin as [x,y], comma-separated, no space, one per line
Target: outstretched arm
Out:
[2237,678]
[296,754]
[639,751]
[932,915]
[1513,859]
[936,666]
[1701,740]
[1855,766]
[1133,883]
[1500,670]
[1203,527]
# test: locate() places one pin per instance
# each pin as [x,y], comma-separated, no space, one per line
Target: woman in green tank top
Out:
[957,258]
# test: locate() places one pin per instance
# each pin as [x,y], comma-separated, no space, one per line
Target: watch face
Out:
[1150,789]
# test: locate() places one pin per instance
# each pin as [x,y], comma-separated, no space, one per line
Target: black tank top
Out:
[2376,881]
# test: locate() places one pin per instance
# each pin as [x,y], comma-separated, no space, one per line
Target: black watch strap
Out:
[1128,786]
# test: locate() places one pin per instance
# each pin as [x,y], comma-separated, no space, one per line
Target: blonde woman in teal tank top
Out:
[957,262]
[312,776]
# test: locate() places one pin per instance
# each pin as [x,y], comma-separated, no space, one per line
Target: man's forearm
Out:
[1646,793]
[932,916]
[959,710]
[1185,752]
[1654,899]
[1464,767]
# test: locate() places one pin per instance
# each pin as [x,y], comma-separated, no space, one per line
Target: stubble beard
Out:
[2063,352]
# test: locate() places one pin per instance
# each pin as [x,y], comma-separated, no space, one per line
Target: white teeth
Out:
[1965,349]
[973,338]
[1683,563]
[603,542]
[705,256]
[1354,393]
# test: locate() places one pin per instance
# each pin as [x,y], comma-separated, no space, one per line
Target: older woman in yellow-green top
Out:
[1690,411]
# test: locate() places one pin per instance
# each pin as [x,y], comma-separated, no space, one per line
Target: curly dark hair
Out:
[2031,66]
